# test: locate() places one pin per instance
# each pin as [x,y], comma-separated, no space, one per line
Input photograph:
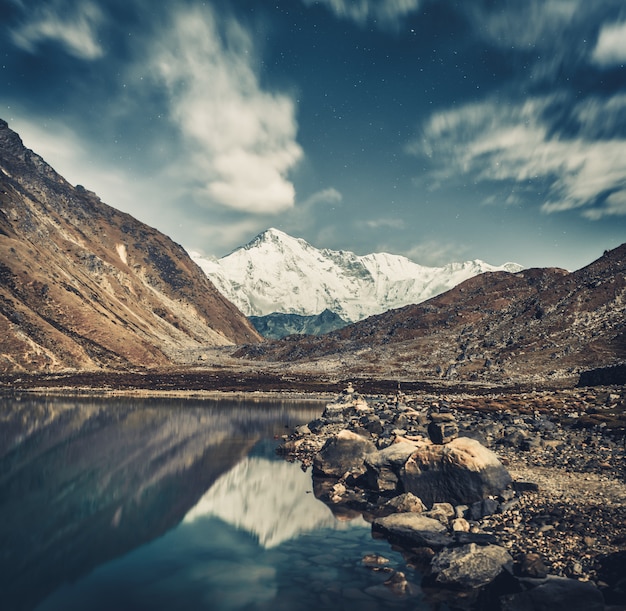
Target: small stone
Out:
[374,560]
[460,525]
[398,584]
[406,502]
[441,511]
[531,565]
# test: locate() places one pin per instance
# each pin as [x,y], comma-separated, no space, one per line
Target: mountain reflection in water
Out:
[253,497]
[84,481]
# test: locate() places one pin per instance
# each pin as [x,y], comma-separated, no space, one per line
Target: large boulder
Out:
[460,472]
[412,530]
[341,454]
[469,566]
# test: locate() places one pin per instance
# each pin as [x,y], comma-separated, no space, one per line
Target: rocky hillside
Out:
[84,286]
[534,324]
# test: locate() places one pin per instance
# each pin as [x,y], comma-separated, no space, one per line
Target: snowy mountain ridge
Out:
[276,272]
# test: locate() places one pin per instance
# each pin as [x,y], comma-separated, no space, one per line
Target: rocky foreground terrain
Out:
[553,537]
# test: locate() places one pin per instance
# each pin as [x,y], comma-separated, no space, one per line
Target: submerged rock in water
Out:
[460,472]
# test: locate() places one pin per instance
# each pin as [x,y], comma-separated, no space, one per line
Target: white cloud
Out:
[491,141]
[76,31]
[615,205]
[362,11]
[610,49]
[242,139]
[325,196]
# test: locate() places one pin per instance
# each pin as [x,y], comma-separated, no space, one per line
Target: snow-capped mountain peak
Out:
[276,272]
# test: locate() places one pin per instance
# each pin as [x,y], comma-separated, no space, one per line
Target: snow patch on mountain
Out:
[276,272]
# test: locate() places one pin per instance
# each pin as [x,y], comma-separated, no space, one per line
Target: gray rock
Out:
[443,432]
[383,467]
[483,508]
[470,566]
[442,512]
[531,565]
[372,424]
[405,503]
[555,594]
[303,430]
[341,454]
[412,530]
[460,472]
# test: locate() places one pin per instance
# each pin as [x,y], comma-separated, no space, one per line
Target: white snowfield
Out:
[276,272]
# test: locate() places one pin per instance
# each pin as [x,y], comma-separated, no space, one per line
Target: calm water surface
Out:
[172,504]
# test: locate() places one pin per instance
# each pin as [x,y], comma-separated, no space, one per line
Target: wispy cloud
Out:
[436,253]
[74,26]
[388,223]
[610,49]
[550,37]
[491,141]
[325,196]
[541,20]
[386,12]
[240,140]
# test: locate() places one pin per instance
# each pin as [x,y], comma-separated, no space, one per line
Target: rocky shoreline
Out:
[552,536]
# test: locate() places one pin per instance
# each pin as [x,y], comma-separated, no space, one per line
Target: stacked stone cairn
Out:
[425,490]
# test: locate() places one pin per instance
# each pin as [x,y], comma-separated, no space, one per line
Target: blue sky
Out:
[442,130]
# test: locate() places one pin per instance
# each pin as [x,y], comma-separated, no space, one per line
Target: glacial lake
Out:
[137,504]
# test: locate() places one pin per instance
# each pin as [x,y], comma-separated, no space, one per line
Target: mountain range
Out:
[536,324]
[85,286]
[276,272]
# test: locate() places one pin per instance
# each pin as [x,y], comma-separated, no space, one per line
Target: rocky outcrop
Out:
[84,286]
[471,529]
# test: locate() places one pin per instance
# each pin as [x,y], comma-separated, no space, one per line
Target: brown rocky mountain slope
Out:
[85,286]
[535,324]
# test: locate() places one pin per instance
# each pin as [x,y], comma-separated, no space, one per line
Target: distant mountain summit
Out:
[85,286]
[276,272]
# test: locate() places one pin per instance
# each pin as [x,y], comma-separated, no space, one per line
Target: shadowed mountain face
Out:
[84,286]
[278,325]
[82,482]
[535,324]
